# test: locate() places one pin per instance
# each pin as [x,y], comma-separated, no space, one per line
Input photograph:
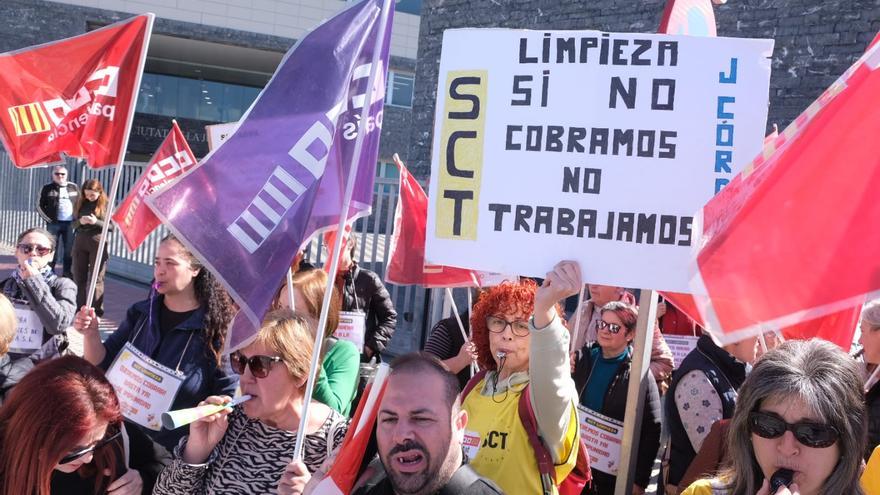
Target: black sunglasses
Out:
[815,435]
[260,365]
[110,436]
[34,248]
[611,327]
[60,174]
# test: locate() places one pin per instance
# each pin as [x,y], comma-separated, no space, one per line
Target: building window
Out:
[175,96]
[387,170]
[400,89]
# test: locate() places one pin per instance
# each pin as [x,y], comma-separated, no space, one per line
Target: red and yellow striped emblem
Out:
[29,119]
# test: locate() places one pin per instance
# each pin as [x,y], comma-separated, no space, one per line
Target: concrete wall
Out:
[816,41]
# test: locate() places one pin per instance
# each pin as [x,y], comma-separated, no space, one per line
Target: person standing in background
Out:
[90,213]
[56,207]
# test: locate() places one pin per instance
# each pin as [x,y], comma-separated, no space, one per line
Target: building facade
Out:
[208,60]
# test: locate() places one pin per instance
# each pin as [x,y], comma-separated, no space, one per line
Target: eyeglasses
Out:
[815,435]
[497,325]
[260,365]
[34,248]
[611,327]
[110,436]
[60,174]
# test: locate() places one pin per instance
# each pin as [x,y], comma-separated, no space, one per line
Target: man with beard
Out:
[419,432]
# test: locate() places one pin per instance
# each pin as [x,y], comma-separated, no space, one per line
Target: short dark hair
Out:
[38,230]
[421,362]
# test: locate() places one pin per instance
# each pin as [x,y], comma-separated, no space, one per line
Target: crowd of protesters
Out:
[496,404]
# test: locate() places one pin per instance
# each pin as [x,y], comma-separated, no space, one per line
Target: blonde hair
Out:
[287,334]
[311,285]
[8,324]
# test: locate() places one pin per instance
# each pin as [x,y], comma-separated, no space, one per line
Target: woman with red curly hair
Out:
[60,432]
[522,341]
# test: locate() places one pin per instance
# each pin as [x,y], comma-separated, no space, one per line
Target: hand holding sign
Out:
[565,280]
[207,432]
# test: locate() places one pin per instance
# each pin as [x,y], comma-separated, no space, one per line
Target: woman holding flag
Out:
[176,335]
[246,449]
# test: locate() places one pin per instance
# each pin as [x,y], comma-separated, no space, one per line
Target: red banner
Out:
[75,96]
[795,236]
[406,260]
[690,17]
[171,160]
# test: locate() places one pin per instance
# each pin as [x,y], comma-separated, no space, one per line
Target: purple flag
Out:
[253,202]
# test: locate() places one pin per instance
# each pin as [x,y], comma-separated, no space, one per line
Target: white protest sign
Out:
[352,327]
[28,330]
[217,133]
[589,146]
[145,388]
[603,437]
[681,346]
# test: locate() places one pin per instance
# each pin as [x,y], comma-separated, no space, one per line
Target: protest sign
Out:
[217,133]
[28,330]
[587,146]
[145,388]
[602,436]
[681,346]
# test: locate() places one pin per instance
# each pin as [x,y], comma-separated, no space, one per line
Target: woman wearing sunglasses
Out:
[800,420]
[601,376]
[60,433]
[521,339]
[90,213]
[246,449]
[45,302]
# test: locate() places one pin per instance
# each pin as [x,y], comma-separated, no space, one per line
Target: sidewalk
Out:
[119,294]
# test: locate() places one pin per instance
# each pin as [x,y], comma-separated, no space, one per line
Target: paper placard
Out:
[681,346]
[583,145]
[603,437]
[471,444]
[145,388]
[218,133]
[352,327]
[28,330]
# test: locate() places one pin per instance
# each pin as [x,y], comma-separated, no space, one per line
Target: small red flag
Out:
[690,17]
[406,259]
[75,96]
[795,236]
[171,160]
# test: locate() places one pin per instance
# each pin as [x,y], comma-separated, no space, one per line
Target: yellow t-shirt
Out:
[871,474]
[498,446]
[702,487]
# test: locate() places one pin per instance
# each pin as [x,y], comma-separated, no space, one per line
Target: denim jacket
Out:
[185,345]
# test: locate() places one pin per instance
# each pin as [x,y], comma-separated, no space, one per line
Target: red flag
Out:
[406,259]
[75,96]
[874,42]
[343,474]
[172,159]
[795,236]
[690,17]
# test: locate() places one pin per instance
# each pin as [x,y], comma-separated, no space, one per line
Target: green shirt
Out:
[337,384]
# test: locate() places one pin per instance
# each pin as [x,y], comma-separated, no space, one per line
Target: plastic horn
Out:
[181,417]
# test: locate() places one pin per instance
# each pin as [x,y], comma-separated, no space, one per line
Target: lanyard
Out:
[185,348]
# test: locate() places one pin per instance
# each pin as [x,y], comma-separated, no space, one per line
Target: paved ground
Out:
[118,296]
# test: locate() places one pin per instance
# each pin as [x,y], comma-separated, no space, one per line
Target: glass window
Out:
[175,96]
[400,89]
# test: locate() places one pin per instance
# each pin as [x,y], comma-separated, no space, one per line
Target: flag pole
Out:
[470,303]
[458,319]
[291,298]
[117,175]
[577,320]
[340,229]
[640,373]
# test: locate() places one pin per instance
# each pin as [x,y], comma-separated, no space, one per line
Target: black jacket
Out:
[872,400]
[11,372]
[48,205]
[615,407]
[465,481]
[364,290]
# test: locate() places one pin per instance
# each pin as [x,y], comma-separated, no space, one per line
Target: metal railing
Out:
[20,191]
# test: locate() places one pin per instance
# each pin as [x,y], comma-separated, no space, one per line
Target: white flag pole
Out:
[290,298]
[117,175]
[340,231]
[458,319]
